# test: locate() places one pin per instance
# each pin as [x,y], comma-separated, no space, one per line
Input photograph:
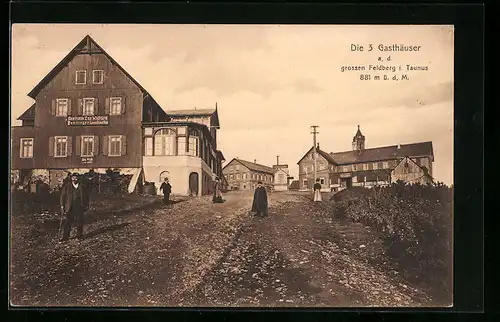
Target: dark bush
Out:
[416,223]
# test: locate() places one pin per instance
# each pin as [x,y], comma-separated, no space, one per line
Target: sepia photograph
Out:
[219,165]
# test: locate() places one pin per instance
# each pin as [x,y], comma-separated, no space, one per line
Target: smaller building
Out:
[409,171]
[294,186]
[184,150]
[282,177]
[244,175]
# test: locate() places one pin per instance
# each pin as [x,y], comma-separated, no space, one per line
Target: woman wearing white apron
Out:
[317,191]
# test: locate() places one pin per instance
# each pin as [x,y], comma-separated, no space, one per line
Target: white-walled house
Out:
[184,150]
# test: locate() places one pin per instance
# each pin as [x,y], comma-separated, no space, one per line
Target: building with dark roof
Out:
[244,175]
[366,167]
[89,113]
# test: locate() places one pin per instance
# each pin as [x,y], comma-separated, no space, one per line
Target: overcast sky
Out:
[271,82]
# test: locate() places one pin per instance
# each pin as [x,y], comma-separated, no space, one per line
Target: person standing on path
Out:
[317,191]
[217,194]
[166,188]
[74,203]
[259,205]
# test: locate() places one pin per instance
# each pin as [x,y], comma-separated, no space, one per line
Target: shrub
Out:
[416,224]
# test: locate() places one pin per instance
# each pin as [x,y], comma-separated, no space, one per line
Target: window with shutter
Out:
[60,146]
[115,145]
[115,106]
[61,108]
[87,149]
[26,148]
[89,106]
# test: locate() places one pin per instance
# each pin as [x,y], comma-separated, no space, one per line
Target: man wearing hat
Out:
[259,204]
[74,203]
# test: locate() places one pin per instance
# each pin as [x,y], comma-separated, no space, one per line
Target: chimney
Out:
[277,160]
[399,146]
[254,160]
[317,146]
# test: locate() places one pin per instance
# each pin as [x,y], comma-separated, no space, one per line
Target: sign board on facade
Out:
[345,175]
[87,160]
[88,120]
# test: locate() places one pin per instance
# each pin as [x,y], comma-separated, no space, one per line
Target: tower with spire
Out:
[358,141]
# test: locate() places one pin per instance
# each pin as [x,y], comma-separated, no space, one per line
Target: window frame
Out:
[366,166]
[111,99]
[385,164]
[59,100]
[94,74]
[84,71]
[162,138]
[88,99]
[82,144]
[21,145]
[66,146]
[119,137]
[375,165]
[322,179]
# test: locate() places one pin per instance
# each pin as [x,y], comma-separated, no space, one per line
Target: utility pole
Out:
[314,132]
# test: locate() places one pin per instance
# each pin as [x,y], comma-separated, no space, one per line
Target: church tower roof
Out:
[358,135]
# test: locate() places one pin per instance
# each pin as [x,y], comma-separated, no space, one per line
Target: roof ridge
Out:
[386,146]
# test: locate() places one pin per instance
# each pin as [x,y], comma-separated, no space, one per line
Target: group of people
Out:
[74,202]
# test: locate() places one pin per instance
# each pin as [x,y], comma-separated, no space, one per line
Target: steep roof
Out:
[358,134]
[384,153]
[253,166]
[29,114]
[86,45]
[325,155]
[219,152]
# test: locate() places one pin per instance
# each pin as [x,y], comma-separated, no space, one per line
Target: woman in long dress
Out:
[317,191]
[217,196]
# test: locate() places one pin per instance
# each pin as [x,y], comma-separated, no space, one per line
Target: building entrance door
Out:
[193,183]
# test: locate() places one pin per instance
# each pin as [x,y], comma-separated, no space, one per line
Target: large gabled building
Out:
[89,113]
[368,167]
[244,175]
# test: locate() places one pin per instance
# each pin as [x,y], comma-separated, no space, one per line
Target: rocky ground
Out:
[195,253]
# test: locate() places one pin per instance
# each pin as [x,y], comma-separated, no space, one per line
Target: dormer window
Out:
[81,77]
[97,76]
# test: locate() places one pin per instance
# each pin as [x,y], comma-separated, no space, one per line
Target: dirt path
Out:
[195,253]
[293,258]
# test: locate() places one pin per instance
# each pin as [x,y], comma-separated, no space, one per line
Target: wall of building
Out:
[410,174]
[178,169]
[241,178]
[281,180]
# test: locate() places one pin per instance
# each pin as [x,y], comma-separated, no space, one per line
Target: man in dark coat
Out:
[259,205]
[166,188]
[74,203]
